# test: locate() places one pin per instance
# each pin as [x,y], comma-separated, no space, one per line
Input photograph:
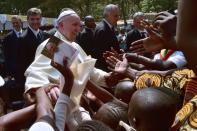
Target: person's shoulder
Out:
[41,47]
[10,34]
[83,31]
[100,26]
[24,33]
[134,30]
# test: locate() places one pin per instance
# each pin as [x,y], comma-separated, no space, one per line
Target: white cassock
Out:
[40,73]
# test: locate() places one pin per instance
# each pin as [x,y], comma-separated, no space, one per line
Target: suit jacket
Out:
[132,36]
[85,40]
[104,38]
[28,45]
[11,45]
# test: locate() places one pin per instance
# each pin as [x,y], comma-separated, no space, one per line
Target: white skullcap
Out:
[65,13]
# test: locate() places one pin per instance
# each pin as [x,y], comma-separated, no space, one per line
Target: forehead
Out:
[138,18]
[72,19]
[115,10]
[15,20]
[34,16]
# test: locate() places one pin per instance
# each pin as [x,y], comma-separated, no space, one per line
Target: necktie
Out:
[38,37]
[19,34]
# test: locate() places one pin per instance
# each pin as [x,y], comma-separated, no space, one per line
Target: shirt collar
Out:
[110,26]
[17,32]
[34,31]
[60,36]
[144,30]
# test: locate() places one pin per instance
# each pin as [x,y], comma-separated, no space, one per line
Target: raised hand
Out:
[111,61]
[121,66]
[166,23]
[155,42]
[113,77]
[68,76]
[113,53]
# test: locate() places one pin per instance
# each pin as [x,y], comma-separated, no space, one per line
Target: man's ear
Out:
[60,24]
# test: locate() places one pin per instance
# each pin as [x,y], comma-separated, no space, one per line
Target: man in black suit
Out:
[30,40]
[12,91]
[104,37]
[138,32]
[86,37]
[11,45]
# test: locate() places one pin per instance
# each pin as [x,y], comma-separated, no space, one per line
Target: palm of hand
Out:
[121,66]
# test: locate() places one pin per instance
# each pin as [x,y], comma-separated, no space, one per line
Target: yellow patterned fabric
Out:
[176,81]
[183,82]
[148,80]
[186,118]
[190,89]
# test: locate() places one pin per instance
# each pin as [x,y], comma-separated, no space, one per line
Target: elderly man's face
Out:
[71,27]
[34,21]
[16,24]
[113,16]
[137,22]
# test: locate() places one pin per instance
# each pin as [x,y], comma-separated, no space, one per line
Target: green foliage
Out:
[158,5]
[51,8]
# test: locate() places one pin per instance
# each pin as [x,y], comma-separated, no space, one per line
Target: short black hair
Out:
[93,125]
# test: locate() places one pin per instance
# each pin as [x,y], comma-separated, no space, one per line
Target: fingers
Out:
[114,51]
[122,51]
[152,33]
[111,64]
[47,89]
[137,47]
[164,13]
[57,91]
[145,23]
[112,61]
[108,54]
[160,17]
[54,94]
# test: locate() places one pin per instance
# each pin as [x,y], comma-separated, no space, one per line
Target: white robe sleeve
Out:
[96,75]
[40,73]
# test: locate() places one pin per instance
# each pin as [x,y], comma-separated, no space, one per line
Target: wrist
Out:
[67,90]
[131,73]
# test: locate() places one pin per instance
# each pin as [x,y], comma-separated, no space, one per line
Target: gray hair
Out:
[108,9]
[34,11]
[16,17]
[137,15]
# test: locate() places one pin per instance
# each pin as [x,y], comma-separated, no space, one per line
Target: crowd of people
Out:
[142,80]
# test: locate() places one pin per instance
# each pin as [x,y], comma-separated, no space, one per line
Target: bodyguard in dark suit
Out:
[86,37]
[138,32]
[12,91]
[132,36]
[30,40]
[11,46]
[105,37]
